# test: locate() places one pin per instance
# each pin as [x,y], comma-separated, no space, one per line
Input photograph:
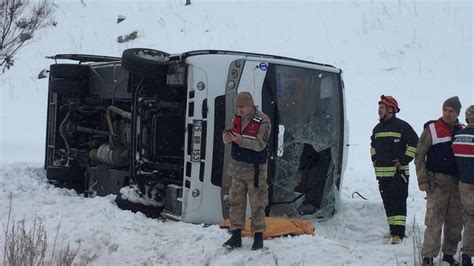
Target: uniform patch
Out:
[257,119]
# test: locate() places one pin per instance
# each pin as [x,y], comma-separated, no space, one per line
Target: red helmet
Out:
[389,101]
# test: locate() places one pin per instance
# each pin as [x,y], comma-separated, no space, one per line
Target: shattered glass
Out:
[309,110]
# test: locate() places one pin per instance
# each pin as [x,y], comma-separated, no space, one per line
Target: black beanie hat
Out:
[454,103]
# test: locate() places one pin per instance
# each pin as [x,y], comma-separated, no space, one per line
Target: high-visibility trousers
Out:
[394,192]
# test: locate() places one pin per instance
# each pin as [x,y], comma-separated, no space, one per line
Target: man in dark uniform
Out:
[393,146]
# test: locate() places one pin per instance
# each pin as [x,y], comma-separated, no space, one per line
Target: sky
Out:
[418,51]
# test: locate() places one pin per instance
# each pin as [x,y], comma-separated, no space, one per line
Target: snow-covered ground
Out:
[421,52]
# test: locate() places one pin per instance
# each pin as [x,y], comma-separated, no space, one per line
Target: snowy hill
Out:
[419,52]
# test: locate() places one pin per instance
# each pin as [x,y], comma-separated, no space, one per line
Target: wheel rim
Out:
[151,55]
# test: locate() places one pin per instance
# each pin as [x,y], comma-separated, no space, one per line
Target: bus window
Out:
[309,109]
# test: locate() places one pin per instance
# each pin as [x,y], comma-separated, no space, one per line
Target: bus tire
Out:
[145,62]
[148,211]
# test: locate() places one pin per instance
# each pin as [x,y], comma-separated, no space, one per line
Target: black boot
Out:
[427,261]
[466,260]
[235,241]
[257,241]
[450,259]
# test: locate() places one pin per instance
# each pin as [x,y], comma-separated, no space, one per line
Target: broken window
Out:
[307,114]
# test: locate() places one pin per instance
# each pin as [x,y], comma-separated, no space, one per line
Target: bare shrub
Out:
[67,255]
[27,245]
[19,22]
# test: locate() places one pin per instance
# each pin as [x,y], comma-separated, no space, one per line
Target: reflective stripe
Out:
[249,137]
[390,168]
[410,152]
[390,171]
[385,171]
[372,151]
[385,174]
[434,136]
[389,174]
[465,136]
[405,178]
[402,223]
[463,149]
[464,155]
[388,134]
[397,220]
[390,220]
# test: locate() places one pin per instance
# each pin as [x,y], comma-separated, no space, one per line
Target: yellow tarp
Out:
[277,227]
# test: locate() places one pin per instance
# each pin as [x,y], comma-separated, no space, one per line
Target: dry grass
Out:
[25,246]
[28,244]
[417,243]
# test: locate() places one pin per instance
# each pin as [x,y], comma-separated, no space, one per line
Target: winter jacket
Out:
[250,131]
[434,152]
[391,140]
[254,131]
[463,148]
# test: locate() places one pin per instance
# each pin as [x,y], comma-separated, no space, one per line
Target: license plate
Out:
[196,139]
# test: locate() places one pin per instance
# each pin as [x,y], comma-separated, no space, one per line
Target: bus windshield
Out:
[306,109]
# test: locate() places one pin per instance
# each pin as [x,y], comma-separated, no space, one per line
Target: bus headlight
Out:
[231,84]
[201,86]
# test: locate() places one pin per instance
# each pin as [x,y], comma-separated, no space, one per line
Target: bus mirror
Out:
[281,134]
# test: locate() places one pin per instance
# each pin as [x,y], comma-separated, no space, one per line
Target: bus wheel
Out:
[145,62]
[149,211]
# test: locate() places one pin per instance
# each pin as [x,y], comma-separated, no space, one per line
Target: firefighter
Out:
[463,148]
[249,135]
[438,173]
[393,145]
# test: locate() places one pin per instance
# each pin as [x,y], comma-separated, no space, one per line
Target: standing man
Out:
[393,143]
[463,148]
[249,135]
[438,173]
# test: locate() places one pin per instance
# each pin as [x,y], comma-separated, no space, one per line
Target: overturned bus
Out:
[148,128]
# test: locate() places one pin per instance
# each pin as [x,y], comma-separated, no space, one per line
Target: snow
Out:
[418,51]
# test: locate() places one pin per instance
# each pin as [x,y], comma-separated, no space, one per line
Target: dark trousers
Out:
[394,192]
